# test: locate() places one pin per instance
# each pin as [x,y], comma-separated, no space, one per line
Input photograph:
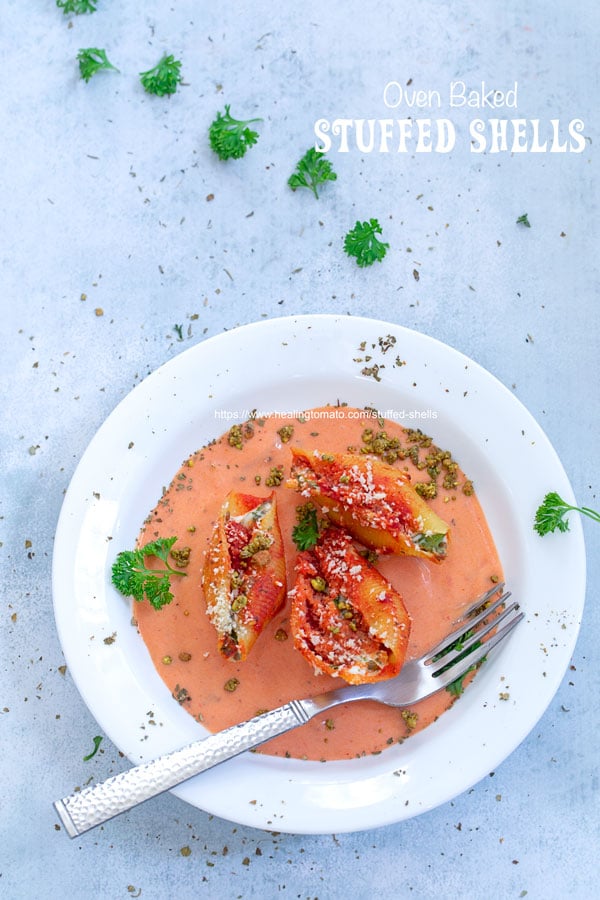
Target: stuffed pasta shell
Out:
[346,618]
[244,579]
[374,501]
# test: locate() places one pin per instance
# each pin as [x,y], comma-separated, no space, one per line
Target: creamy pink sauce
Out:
[435,595]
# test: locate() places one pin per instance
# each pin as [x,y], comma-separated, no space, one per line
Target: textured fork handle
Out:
[96,804]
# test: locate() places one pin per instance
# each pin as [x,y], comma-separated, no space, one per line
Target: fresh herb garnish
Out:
[97,742]
[163,78]
[306,533]
[78,7]
[523,220]
[133,578]
[457,646]
[434,543]
[456,687]
[92,60]
[363,243]
[229,137]
[313,169]
[550,515]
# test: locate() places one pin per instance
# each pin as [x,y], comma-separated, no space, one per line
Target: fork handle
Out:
[97,804]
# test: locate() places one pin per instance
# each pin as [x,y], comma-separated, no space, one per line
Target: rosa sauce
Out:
[183,643]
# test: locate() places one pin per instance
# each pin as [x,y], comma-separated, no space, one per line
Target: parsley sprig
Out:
[550,515]
[312,170]
[457,686]
[92,60]
[305,533]
[230,138]
[77,7]
[133,578]
[433,543]
[363,243]
[163,78]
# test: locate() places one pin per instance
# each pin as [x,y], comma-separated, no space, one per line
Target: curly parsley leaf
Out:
[433,543]
[92,60]
[362,242]
[77,7]
[523,220]
[550,515]
[133,578]
[230,138]
[312,170]
[305,533]
[457,686]
[163,78]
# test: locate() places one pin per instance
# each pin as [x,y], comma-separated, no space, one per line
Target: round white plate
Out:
[290,364]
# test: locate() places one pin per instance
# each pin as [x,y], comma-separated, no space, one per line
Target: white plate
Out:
[292,364]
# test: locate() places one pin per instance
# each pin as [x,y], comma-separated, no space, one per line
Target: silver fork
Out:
[482,627]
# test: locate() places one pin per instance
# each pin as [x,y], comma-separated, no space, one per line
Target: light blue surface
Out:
[104,194]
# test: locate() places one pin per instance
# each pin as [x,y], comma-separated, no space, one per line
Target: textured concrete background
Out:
[108,239]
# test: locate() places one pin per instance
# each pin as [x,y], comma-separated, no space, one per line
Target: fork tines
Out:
[483,626]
